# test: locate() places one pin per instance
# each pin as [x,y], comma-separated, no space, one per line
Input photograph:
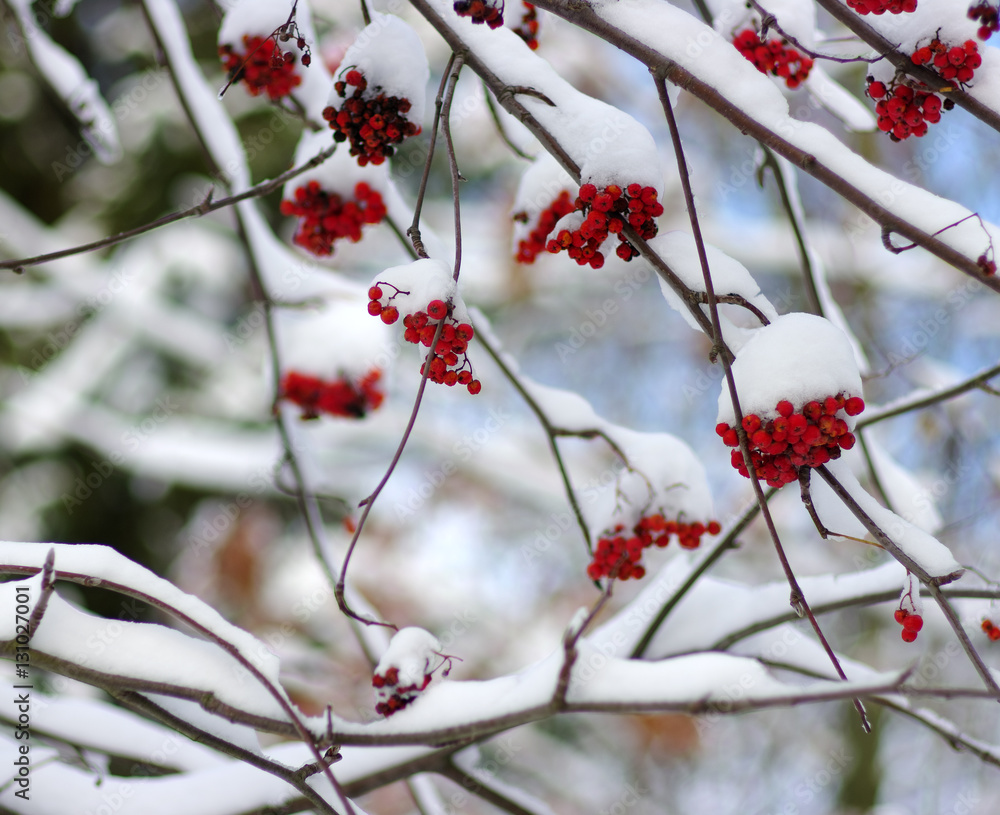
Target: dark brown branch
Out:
[48,584]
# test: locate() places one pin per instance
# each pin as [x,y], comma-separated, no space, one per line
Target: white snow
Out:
[391,56]
[798,357]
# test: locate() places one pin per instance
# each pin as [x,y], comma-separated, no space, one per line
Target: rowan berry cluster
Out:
[481,11]
[341,397]
[882,6]
[904,112]
[391,695]
[527,29]
[372,122]
[606,212]
[793,439]
[534,244]
[262,66]
[326,217]
[618,557]
[775,56]
[992,631]
[911,622]
[449,363]
[989,18]
[956,62]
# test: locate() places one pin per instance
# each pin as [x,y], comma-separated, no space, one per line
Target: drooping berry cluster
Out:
[527,29]
[775,56]
[393,696]
[911,622]
[882,6]
[481,11]
[606,212]
[341,397]
[988,17]
[326,217]
[262,66]
[793,439]
[372,122]
[904,112]
[617,556]
[956,62]
[449,363]
[992,631]
[531,247]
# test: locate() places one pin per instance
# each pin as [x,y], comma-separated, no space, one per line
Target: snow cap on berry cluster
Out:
[729,276]
[337,338]
[409,664]
[540,185]
[931,18]
[338,174]
[798,358]
[666,477]
[797,19]
[390,56]
[420,282]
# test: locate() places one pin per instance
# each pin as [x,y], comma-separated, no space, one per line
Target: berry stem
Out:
[456,69]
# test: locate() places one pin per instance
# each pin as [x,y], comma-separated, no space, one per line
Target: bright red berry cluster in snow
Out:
[481,11]
[911,622]
[534,244]
[882,6]
[806,438]
[606,213]
[619,556]
[372,122]
[989,18]
[326,217]
[902,111]
[449,362]
[957,62]
[394,696]
[527,29]
[774,57]
[991,630]
[262,66]
[341,397]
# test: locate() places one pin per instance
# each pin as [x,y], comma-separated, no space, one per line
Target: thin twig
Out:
[414,231]
[48,585]
[206,206]
[495,115]
[768,20]
[456,69]
[797,599]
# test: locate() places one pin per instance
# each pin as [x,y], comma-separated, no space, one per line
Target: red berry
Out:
[913,622]
[475,386]
[390,315]
[374,293]
[908,635]
[375,308]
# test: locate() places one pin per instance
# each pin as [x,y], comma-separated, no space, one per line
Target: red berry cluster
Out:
[262,66]
[527,29]
[991,631]
[882,6]
[988,17]
[911,622]
[327,217]
[342,397]
[481,11]
[958,62]
[449,363]
[774,57]
[807,438]
[904,112]
[606,213]
[371,123]
[617,556]
[534,245]
[395,696]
